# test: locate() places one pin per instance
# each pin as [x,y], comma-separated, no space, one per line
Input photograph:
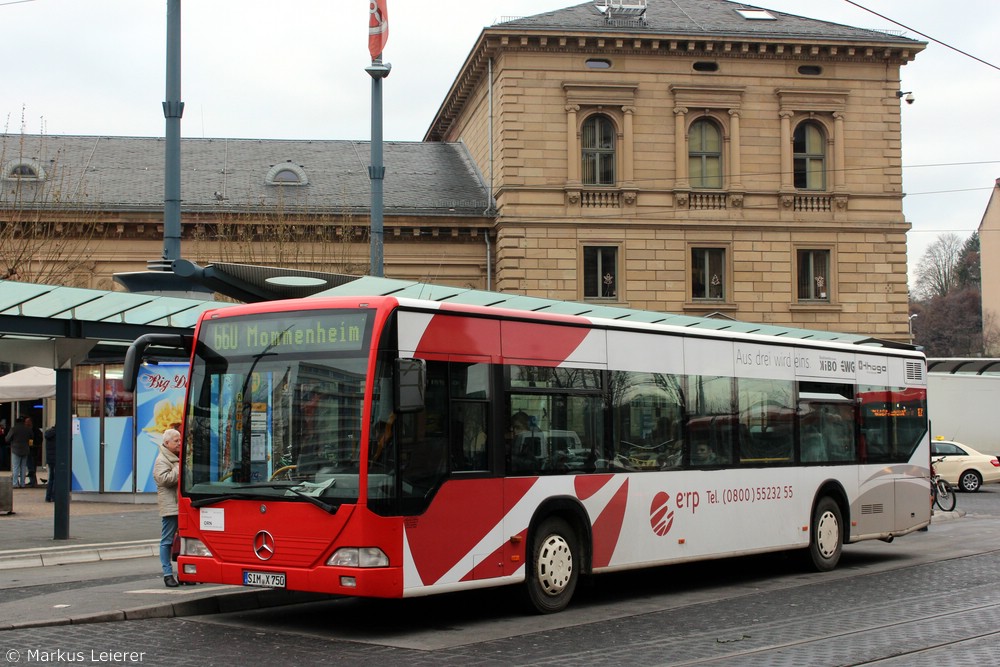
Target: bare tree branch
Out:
[936,273]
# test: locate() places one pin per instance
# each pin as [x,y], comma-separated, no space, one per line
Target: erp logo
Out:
[661,517]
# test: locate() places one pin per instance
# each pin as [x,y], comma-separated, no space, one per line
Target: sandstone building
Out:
[691,156]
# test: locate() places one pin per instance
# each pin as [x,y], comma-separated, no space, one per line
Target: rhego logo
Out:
[661,517]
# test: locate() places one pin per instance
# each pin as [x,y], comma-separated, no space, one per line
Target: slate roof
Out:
[707,18]
[127,173]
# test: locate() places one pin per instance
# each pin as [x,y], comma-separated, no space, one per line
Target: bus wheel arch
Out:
[828,527]
[557,553]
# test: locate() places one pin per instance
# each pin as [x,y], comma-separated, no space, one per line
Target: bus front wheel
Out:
[825,538]
[554,566]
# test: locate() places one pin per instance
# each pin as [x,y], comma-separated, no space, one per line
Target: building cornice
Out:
[494,42]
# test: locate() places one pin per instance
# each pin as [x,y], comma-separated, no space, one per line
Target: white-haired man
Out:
[166,472]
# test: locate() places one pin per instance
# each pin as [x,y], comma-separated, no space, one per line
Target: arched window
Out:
[598,148]
[809,154]
[705,155]
[23,170]
[286,173]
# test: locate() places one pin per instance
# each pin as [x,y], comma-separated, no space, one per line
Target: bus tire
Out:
[554,566]
[826,535]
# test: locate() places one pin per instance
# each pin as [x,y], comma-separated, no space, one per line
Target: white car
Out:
[962,466]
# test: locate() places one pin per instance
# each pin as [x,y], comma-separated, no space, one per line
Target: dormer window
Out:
[756,14]
[286,173]
[23,170]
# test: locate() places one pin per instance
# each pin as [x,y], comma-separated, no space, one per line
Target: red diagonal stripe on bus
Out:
[460,516]
[487,568]
[586,486]
[608,527]
[460,335]
[528,340]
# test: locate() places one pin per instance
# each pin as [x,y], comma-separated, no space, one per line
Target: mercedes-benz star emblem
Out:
[263,545]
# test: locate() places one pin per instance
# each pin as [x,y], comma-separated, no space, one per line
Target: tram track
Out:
[882,643]
[927,636]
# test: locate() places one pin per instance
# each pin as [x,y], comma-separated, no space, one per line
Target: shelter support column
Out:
[64,453]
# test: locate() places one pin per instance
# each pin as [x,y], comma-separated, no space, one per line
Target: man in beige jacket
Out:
[166,472]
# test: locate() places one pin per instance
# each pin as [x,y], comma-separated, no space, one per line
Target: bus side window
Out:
[427,462]
[468,436]
[813,446]
[525,458]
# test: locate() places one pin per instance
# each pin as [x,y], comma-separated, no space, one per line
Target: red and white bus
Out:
[394,447]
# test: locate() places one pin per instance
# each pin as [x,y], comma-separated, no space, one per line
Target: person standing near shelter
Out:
[19,440]
[34,446]
[166,472]
[50,461]
[3,443]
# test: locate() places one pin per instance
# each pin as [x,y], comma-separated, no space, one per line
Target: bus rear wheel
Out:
[554,566]
[825,537]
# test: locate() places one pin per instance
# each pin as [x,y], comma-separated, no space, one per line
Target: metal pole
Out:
[64,453]
[376,172]
[173,109]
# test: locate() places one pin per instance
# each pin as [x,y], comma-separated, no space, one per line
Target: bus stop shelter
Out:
[54,328]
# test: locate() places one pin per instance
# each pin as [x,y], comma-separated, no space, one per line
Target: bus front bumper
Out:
[379,582]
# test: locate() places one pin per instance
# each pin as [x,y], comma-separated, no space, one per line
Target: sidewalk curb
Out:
[946,516]
[237,600]
[83,553]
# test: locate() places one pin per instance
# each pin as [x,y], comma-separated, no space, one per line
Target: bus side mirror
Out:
[411,376]
[137,350]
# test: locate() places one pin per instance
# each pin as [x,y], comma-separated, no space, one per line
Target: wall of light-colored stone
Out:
[540,231]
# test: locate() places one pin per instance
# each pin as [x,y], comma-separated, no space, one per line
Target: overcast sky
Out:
[295,70]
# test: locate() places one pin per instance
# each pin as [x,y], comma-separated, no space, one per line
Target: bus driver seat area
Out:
[426,465]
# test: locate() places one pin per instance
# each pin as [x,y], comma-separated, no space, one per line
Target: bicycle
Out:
[941,492]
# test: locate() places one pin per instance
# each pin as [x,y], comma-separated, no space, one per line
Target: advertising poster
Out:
[159,405]
[86,433]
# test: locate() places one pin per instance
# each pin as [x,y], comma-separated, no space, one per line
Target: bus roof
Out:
[444,294]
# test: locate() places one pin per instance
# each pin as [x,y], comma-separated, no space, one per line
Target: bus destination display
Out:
[310,332]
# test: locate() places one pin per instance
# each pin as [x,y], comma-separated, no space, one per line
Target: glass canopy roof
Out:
[46,312]
[413,290]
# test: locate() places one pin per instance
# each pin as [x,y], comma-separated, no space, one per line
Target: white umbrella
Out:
[29,384]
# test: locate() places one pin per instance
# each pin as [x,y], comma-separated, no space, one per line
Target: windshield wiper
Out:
[326,507]
[205,502]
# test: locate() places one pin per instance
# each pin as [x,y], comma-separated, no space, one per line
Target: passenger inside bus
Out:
[703,455]
[524,461]
[519,450]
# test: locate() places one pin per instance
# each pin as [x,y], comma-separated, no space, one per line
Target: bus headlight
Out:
[194,547]
[359,557]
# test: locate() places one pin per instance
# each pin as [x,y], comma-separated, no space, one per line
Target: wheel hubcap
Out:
[827,535]
[555,565]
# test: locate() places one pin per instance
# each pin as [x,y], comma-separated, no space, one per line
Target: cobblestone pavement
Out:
[934,601]
[849,621]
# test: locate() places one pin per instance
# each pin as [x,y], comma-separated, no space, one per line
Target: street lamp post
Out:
[376,172]
[910,324]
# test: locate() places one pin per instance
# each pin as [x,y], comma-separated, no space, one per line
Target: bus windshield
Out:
[275,406]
